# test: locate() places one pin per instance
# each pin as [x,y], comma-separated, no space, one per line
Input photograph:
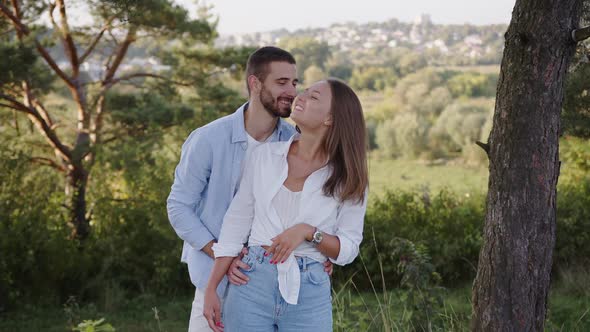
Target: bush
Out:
[405,135]
[385,139]
[131,247]
[473,84]
[449,229]
[447,226]
[458,127]
[573,225]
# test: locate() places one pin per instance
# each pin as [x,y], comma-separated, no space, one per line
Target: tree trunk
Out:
[513,275]
[77,179]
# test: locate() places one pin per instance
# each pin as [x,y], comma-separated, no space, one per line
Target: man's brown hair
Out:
[259,61]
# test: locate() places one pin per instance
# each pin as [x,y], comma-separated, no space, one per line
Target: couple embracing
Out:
[269,207]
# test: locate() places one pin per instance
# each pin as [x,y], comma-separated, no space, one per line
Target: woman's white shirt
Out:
[252,216]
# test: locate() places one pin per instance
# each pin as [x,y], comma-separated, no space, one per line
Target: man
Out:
[208,174]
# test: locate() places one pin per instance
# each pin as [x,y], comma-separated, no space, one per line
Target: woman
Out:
[299,203]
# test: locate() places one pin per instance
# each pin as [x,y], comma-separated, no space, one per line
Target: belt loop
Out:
[304,259]
[261,255]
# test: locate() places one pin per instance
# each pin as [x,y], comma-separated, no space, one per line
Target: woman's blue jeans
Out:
[259,307]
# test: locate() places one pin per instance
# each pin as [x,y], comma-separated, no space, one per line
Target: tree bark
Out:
[77,180]
[513,276]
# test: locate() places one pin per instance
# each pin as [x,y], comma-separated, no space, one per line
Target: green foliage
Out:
[94,326]
[181,84]
[140,112]
[313,74]
[472,84]
[576,108]
[573,216]
[422,93]
[575,155]
[443,226]
[162,16]
[307,52]
[190,62]
[405,135]
[32,232]
[373,78]
[459,126]
[569,299]
[133,248]
[419,283]
[411,62]
[385,138]
[339,65]
[371,124]
[17,61]
[342,72]
[432,114]
[413,307]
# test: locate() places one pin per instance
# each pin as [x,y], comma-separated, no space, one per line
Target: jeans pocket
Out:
[249,260]
[318,276]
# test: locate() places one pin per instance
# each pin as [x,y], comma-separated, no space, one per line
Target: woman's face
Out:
[311,108]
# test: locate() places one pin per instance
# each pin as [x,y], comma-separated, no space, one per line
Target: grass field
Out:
[389,174]
[352,312]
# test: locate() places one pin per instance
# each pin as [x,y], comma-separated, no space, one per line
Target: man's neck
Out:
[259,123]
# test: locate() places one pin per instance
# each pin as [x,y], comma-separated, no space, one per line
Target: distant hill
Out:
[465,44]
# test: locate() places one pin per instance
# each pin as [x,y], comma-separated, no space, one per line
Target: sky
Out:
[239,16]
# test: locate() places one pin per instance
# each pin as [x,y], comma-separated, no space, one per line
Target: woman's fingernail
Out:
[265,254]
[282,262]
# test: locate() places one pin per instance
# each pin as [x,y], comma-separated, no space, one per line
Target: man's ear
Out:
[254,83]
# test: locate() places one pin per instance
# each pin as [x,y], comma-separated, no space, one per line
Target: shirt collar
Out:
[239,133]
[283,149]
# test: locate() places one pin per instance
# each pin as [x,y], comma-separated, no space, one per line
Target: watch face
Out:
[317,237]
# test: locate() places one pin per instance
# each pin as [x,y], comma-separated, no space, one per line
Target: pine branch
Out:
[48,162]
[44,128]
[24,30]
[485,147]
[68,40]
[581,34]
[120,54]
[97,38]
[134,75]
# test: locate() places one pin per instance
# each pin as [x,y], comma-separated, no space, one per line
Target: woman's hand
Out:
[212,310]
[284,243]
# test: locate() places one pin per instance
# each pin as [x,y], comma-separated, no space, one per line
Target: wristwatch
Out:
[317,237]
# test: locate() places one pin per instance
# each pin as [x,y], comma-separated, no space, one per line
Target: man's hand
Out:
[328,267]
[208,249]
[234,275]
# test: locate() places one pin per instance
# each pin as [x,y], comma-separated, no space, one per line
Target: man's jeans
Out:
[258,305]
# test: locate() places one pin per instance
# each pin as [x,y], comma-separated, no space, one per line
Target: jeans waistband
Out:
[258,253]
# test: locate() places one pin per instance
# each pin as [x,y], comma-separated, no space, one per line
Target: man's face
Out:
[278,89]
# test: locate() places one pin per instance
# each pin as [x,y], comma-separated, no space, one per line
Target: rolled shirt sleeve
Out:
[238,219]
[190,179]
[350,221]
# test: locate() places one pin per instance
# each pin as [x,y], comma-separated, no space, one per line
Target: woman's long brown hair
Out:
[346,145]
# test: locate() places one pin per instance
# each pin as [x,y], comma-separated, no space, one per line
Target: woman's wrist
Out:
[308,232]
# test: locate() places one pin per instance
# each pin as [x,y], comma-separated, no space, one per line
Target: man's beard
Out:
[272,106]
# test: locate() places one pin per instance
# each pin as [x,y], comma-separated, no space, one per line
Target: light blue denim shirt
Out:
[205,182]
